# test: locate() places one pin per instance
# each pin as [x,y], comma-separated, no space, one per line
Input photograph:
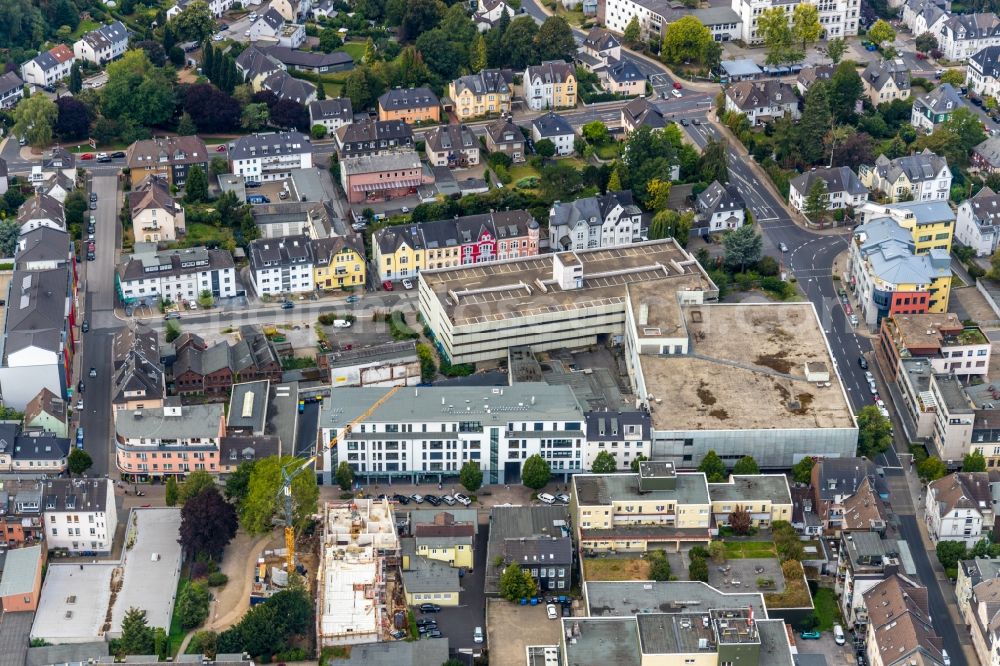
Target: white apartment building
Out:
[603,221]
[551,85]
[977,224]
[80,515]
[961,36]
[49,67]
[424,433]
[924,176]
[331,113]
[983,73]
[282,265]
[959,507]
[839,18]
[102,45]
[178,275]
[156,215]
[556,129]
[272,156]
[843,189]
[654,17]
[217,7]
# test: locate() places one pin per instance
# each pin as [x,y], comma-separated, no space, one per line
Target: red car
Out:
[387,285]
[87,156]
[221,149]
[677,85]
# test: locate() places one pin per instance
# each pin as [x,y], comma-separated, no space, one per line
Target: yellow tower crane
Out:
[293,469]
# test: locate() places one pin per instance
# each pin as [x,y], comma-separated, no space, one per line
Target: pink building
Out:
[382,177]
[169,440]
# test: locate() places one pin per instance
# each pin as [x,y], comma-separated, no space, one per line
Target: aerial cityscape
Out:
[508,332]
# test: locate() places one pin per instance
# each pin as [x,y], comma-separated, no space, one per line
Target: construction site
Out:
[358,595]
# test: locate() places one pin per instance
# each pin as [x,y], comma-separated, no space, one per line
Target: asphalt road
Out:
[459,624]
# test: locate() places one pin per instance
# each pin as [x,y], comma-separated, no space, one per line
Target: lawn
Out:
[796,592]
[827,611]
[199,234]
[608,151]
[615,568]
[522,171]
[354,49]
[177,633]
[738,550]
[84,27]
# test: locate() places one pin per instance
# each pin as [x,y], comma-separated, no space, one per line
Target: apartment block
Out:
[171,440]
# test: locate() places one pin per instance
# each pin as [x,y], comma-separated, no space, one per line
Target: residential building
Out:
[764,100]
[80,515]
[766,497]
[21,583]
[971,573]
[255,64]
[488,12]
[654,17]
[43,248]
[339,262]
[961,36]
[411,105]
[835,480]
[922,16]
[986,155]
[331,113]
[103,45]
[977,224]
[271,156]
[159,442]
[838,19]
[47,412]
[513,523]
[548,560]
[234,451]
[216,7]
[982,76]
[20,504]
[37,347]
[254,358]
[373,137]
[381,177]
[446,540]
[49,67]
[178,275]
[551,85]
[488,92]
[923,177]
[286,86]
[170,157]
[810,75]
[156,215]
[640,112]
[899,627]
[624,435]
[888,276]
[452,146]
[720,208]
[948,346]
[427,579]
[600,53]
[282,265]
[556,129]
[401,252]
[293,218]
[293,10]
[11,90]
[843,188]
[933,108]
[865,511]
[56,185]
[139,377]
[41,210]
[959,507]
[866,559]
[4,180]
[35,452]
[886,80]
[609,220]
[931,224]
[267,27]
[503,136]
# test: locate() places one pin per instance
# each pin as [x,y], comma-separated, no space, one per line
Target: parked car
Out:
[551,612]
[86,326]
[477,635]
[80,386]
[172,315]
[220,148]
[105,158]
[677,85]
[546,498]
[252,183]
[838,635]
[676,93]
[464,500]
[434,633]
[87,156]
[93,196]
[353,298]
[118,154]
[341,323]
[93,205]
[563,497]
[449,500]
[387,285]
[417,498]
[90,255]
[398,635]
[424,621]
[433,500]
[430,608]
[407,284]
[862,362]
[401,499]
[810,635]
[287,305]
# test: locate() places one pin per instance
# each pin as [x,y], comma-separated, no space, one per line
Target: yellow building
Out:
[551,85]
[339,262]
[398,253]
[411,105]
[427,581]
[487,93]
[921,178]
[765,496]
[930,223]
[446,541]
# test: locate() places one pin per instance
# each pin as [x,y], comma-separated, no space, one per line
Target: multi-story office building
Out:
[169,441]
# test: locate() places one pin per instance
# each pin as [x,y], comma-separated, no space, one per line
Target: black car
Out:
[425,621]
[430,608]
[106,158]
[402,499]
[90,256]
[433,500]
[93,205]
[251,184]
[93,196]
[862,362]
[86,326]
[80,386]
[684,122]
[118,154]
[287,305]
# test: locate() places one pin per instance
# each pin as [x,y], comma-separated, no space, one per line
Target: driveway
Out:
[459,623]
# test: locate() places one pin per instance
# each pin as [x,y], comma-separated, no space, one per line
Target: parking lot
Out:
[836,655]
[512,628]
[272,190]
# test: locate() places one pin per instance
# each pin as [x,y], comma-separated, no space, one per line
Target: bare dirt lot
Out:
[511,628]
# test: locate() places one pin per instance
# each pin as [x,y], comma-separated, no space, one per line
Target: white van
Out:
[341,323]
[838,634]
[546,498]
[477,637]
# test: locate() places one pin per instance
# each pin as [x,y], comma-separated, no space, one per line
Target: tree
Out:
[974,462]
[194,23]
[604,463]
[186,125]
[698,569]
[671,224]
[658,193]
[192,605]
[802,470]
[835,49]
[10,231]
[196,186]
[363,87]
[208,524]
[261,502]
[72,120]
[636,461]
[518,44]
[684,40]
[954,77]
[931,468]
[743,247]
[419,17]
[329,40]
[740,521]
[816,122]
[554,40]
[746,465]
[713,165]
[844,91]
[75,205]
[154,51]
[345,476]
[874,432]
[79,462]
[211,109]
[471,476]
[786,541]
[545,148]
[75,78]
[773,26]
[516,584]
[632,33]
[137,91]
[614,182]
[805,24]
[925,42]
[717,551]
[196,483]
[816,200]
[659,567]
[255,116]
[34,119]
[713,467]
[137,636]
[881,33]
[479,59]
[855,150]
[171,491]
[238,483]
[535,472]
[949,553]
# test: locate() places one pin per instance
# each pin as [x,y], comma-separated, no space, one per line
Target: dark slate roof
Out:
[55,56]
[843,476]
[39,446]
[181,262]
[286,86]
[42,244]
[106,36]
[539,550]
[234,450]
[10,81]
[837,179]
[943,99]
[273,19]
[254,60]
[500,128]
[408,98]
[918,168]
[42,207]
[599,39]
[766,92]
[988,60]
[552,124]
[284,251]
[877,74]
[972,26]
[719,198]
[624,71]
[486,81]
[338,107]
[451,137]
[270,144]
[591,209]
[36,309]
[605,426]
[312,59]
[550,71]
[370,130]
[640,112]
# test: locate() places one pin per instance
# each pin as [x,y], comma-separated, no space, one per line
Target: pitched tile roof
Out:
[962,490]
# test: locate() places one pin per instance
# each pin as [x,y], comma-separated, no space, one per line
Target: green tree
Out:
[816,201]
[196,186]
[925,42]
[471,476]
[194,23]
[671,224]
[954,77]
[874,432]
[329,40]
[806,28]
[79,462]
[596,133]
[835,49]
[171,491]
[173,331]
[238,483]
[815,124]
[773,27]
[949,553]
[974,462]
[881,33]
[363,87]
[685,40]
[632,33]
[75,78]
[931,468]
[192,605]
[698,569]
[713,165]
[713,467]
[255,116]
[535,472]
[634,466]
[554,40]
[186,126]
[478,61]
[786,541]
[802,470]
[604,463]
[545,148]
[345,476]
[137,91]
[34,118]
[10,231]
[717,551]
[220,165]
[659,567]
[743,247]
[262,502]
[746,465]
[516,584]
[196,483]
[137,636]
[615,182]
